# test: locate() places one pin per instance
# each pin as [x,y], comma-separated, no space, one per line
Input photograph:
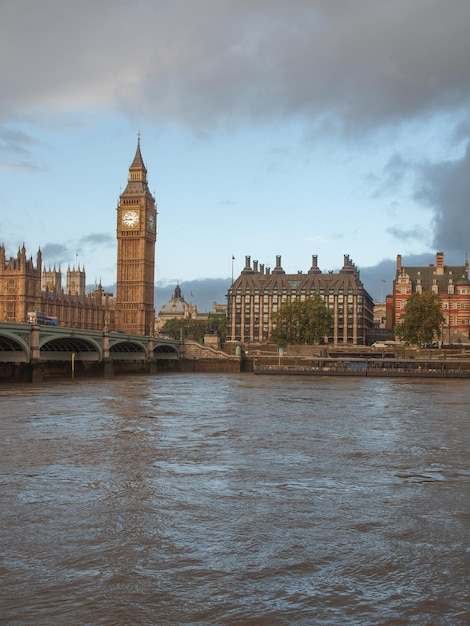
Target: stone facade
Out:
[24,288]
[450,282]
[136,236]
[20,285]
[258,293]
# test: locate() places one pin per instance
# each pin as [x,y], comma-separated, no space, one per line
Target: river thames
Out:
[235,499]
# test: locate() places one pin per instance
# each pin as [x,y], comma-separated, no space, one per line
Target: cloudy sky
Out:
[268,127]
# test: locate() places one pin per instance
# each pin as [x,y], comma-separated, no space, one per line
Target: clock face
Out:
[151,220]
[130,219]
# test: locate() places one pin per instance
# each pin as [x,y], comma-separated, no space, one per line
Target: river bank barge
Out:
[393,367]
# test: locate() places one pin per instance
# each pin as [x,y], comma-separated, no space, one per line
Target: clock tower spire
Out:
[136,236]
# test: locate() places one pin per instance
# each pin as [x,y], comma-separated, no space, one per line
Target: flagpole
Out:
[233,259]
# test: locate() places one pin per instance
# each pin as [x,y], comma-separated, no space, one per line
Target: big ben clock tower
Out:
[136,236]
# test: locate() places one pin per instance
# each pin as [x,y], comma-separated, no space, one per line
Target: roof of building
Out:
[347,280]
[175,307]
[137,181]
[138,162]
[434,274]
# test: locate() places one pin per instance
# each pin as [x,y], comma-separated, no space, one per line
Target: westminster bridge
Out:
[24,344]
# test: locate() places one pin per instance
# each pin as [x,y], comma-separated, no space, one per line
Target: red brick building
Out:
[450,282]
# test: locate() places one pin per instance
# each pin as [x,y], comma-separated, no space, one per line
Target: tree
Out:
[217,323]
[302,321]
[187,328]
[422,319]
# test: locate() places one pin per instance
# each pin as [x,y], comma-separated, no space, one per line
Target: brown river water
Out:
[235,499]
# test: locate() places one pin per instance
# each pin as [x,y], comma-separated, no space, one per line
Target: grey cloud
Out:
[412,233]
[445,186]
[97,239]
[391,178]
[17,146]
[203,292]
[339,66]
[16,141]
[55,253]
[74,252]
[218,62]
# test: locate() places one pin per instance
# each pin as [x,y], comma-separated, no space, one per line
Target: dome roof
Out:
[174,307]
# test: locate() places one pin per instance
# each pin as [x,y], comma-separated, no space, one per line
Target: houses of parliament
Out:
[26,286]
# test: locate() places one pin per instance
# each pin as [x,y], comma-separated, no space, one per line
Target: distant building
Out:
[51,279]
[25,288]
[178,308]
[258,293]
[76,281]
[380,315]
[218,309]
[175,308]
[450,282]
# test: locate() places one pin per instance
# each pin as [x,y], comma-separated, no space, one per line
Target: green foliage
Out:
[217,324]
[302,321]
[187,328]
[421,320]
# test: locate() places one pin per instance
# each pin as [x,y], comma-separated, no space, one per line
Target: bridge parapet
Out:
[30,342]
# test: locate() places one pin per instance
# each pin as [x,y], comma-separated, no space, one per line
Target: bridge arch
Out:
[14,346]
[165,351]
[61,348]
[127,349]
